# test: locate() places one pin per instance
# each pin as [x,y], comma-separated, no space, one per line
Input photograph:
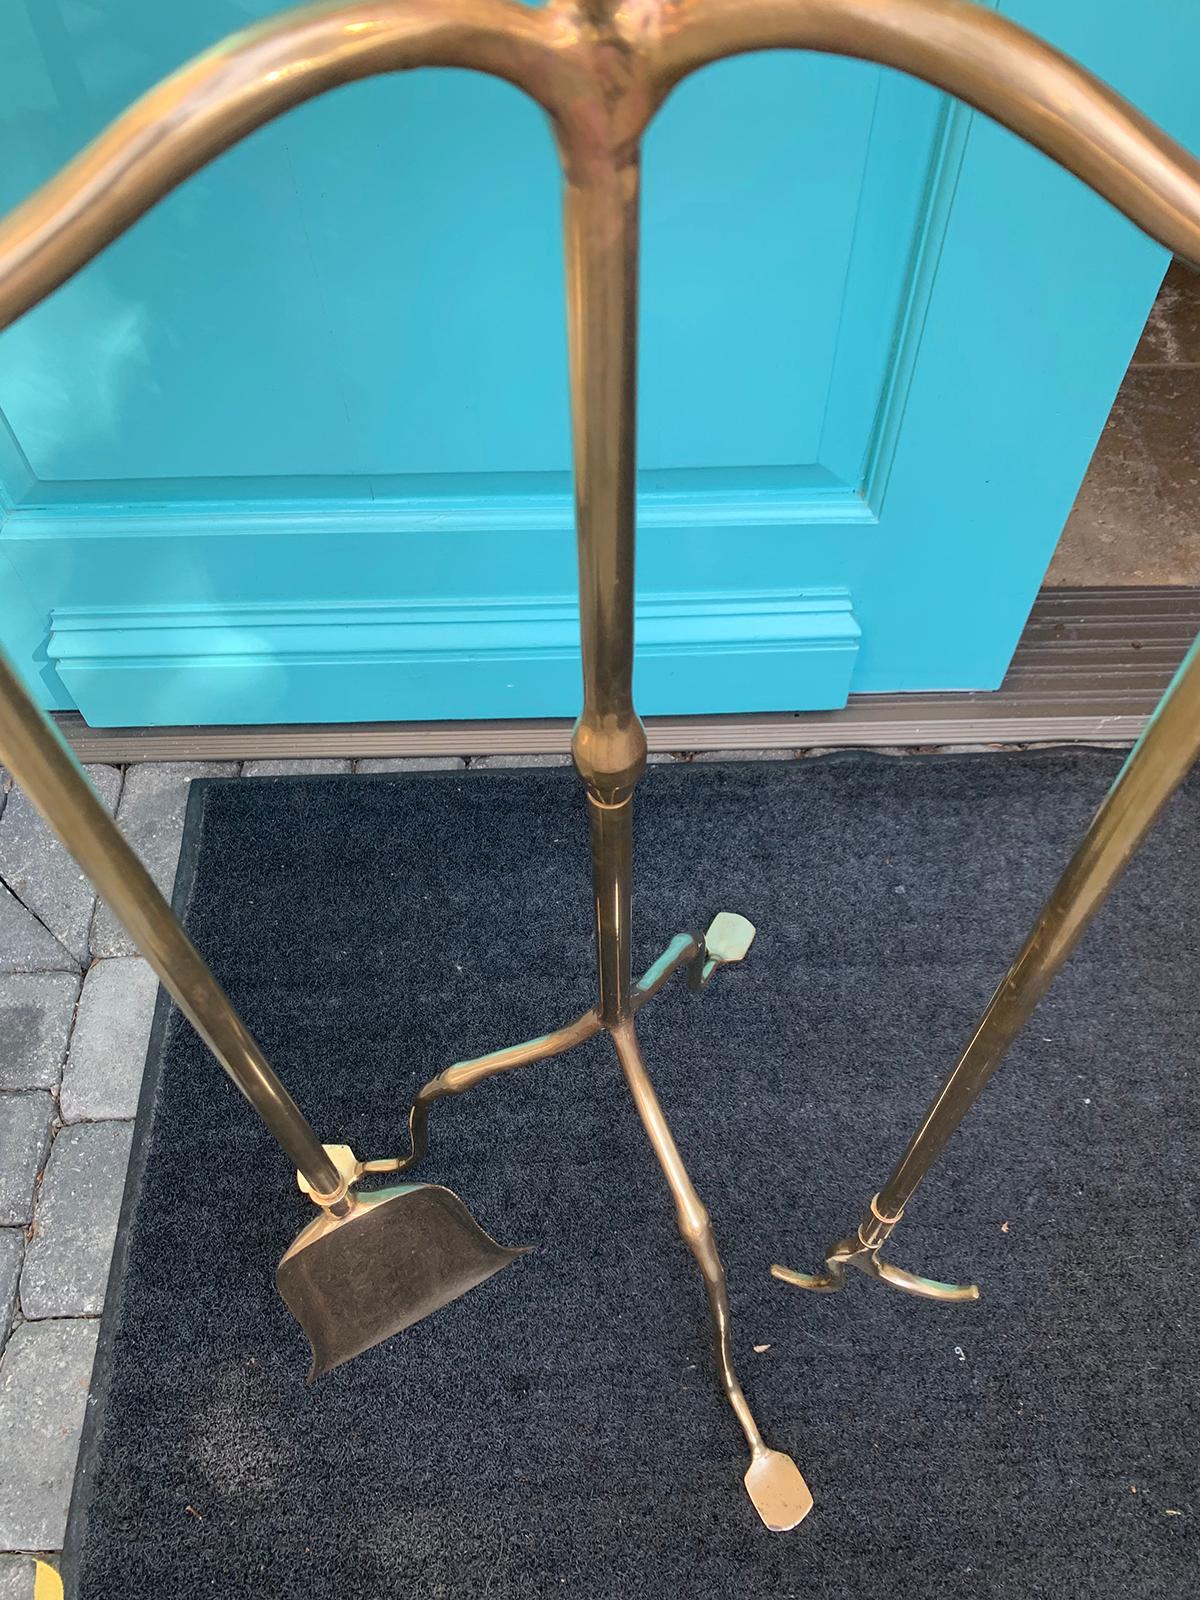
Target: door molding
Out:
[427,658]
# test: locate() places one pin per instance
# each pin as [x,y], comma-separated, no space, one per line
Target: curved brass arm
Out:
[600,68]
[236,87]
[982,58]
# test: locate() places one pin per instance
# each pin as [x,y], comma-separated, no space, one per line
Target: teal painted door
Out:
[296,448]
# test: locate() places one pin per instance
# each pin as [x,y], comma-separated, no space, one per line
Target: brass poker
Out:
[1156,766]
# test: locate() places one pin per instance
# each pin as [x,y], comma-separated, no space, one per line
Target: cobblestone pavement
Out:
[75,1009]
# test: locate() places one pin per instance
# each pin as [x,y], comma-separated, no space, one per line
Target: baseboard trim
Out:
[1090,667]
[159,665]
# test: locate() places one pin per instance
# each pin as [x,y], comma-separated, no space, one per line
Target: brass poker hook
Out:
[600,69]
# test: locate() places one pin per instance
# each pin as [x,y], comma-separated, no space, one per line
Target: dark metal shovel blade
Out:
[400,1255]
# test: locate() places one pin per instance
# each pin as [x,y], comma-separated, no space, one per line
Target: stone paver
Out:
[300,767]
[36,1012]
[108,1048]
[40,872]
[153,802]
[16,1578]
[25,946]
[411,764]
[75,1221]
[24,1139]
[12,1247]
[44,1377]
[557,758]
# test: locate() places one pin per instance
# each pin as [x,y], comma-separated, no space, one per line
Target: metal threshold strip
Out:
[1090,666]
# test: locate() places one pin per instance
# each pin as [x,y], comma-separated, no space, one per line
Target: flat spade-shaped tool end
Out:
[780,1495]
[401,1254]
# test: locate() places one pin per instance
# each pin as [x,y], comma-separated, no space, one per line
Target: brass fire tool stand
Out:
[600,69]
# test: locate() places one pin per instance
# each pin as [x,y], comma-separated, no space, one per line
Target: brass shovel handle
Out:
[50,776]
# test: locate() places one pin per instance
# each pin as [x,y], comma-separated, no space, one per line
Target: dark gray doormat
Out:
[558,1432]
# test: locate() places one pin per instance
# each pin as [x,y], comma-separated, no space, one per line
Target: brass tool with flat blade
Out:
[400,1255]
[431,1249]
[600,69]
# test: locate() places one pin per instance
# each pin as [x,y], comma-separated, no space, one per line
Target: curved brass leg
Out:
[861,1251]
[685,949]
[773,1481]
[728,938]
[464,1075]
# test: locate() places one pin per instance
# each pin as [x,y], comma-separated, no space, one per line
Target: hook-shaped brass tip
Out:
[827,1282]
[861,1250]
[851,1253]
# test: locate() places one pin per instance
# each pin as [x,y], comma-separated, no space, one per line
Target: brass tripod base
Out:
[773,1481]
[861,1251]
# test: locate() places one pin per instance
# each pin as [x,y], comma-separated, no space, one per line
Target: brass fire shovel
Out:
[402,1253]
[370,1264]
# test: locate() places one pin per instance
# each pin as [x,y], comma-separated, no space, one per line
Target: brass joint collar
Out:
[325,1201]
[875,1226]
[618,804]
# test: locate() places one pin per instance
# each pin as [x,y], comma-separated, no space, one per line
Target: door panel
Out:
[297,446]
